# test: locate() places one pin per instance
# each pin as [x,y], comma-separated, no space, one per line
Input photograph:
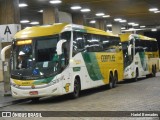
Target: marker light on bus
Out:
[24,42]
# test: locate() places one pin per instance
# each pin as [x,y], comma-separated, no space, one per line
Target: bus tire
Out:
[153,71]
[115,80]
[77,89]
[148,76]
[136,77]
[111,81]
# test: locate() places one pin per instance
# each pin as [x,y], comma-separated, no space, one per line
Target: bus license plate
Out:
[33,92]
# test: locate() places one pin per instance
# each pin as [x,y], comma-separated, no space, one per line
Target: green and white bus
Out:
[140,56]
[64,58]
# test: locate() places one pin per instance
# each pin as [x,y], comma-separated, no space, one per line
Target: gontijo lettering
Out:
[107,58]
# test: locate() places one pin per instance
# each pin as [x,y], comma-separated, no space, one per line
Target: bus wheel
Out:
[111,81]
[136,77]
[77,88]
[153,71]
[115,80]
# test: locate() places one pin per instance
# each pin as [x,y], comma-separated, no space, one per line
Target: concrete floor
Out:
[143,95]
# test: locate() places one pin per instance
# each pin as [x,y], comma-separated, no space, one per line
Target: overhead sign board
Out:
[8,31]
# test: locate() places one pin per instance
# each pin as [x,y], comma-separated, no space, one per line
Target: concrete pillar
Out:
[101,24]
[65,17]
[50,15]
[1,72]
[9,12]
[6,74]
[78,19]
[116,28]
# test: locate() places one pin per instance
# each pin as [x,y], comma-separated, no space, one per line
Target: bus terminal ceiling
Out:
[131,10]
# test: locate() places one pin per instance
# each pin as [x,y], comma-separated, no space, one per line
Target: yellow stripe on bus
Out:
[23,83]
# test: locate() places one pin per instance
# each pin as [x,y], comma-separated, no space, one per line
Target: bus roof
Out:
[46,30]
[125,37]
[38,31]
[97,31]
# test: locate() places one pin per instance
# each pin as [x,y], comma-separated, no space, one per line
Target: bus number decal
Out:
[108,58]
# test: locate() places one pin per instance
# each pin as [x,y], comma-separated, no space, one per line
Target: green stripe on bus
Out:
[143,61]
[43,81]
[92,66]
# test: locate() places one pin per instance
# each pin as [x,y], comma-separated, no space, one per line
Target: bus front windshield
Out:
[36,59]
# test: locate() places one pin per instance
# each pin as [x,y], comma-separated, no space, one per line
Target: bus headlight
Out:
[15,85]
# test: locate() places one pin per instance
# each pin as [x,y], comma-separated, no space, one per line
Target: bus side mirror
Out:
[3,52]
[130,49]
[59,46]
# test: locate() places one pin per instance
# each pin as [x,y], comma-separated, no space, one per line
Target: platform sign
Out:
[8,31]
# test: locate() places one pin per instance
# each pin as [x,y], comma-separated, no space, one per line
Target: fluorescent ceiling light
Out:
[123,28]
[100,14]
[154,30]
[92,21]
[132,29]
[76,7]
[85,10]
[117,19]
[153,9]
[157,11]
[23,5]
[41,11]
[55,1]
[34,23]
[24,21]
[123,21]
[109,25]
[142,26]
[105,16]
[135,25]
[131,23]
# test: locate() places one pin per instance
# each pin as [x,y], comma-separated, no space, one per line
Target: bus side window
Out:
[87,38]
[93,43]
[78,43]
[111,44]
[96,43]
[154,46]
[108,44]
[145,44]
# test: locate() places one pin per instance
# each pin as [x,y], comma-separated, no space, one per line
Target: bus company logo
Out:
[108,58]
[66,87]
[6,114]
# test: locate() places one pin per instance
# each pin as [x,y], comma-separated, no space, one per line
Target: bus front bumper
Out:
[53,90]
